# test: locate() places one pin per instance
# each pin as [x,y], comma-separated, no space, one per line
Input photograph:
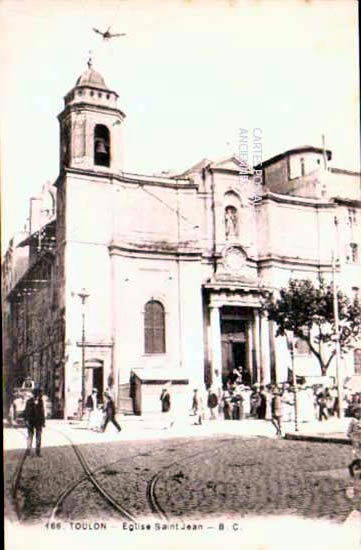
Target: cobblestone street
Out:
[183,479]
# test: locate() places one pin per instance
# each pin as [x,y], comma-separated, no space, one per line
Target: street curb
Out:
[318,439]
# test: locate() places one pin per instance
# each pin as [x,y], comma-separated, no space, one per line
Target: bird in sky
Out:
[107,35]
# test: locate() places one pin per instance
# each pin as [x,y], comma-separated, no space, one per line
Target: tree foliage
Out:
[307,310]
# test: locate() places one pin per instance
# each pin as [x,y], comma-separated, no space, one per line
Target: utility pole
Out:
[83,295]
[337,328]
[290,341]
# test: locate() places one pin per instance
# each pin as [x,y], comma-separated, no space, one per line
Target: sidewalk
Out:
[330,431]
[150,427]
[136,428]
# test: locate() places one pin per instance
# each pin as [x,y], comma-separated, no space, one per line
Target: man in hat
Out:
[35,420]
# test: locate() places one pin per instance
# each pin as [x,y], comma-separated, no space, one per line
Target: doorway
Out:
[233,356]
[98,382]
[234,342]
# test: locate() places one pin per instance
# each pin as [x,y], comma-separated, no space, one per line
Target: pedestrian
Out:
[237,412]
[166,404]
[246,401]
[195,402]
[330,402]
[91,405]
[109,408]
[35,420]
[288,400]
[269,396]
[262,405]
[201,415]
[255,401]
[226,401]
[17,406]
[97,419]
[354,432]
[322,407]
[212,402]
[277,411]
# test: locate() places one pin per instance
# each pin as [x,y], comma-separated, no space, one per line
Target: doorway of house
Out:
[98,382]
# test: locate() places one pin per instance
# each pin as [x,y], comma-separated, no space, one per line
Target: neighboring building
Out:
[174,266]
[25,282]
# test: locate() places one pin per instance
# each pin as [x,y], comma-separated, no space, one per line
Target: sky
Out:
[189,73]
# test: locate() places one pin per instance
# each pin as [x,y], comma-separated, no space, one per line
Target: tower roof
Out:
[91,90]
[91,78]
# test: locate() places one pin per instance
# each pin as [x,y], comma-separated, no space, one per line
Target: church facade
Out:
[173,267]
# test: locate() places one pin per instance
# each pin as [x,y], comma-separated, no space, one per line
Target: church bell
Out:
[100,147]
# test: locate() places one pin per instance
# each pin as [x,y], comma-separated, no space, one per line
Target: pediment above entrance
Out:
[232,164]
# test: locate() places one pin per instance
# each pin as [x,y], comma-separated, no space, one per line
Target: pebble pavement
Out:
[219,469]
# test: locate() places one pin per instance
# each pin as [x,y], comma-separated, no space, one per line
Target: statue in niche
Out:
[231,221]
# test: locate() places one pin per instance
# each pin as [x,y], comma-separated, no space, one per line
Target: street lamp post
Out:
[83,295]
[290,342]
[337,326]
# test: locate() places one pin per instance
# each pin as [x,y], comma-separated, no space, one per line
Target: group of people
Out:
[272,402]
[100,414]
[235,402]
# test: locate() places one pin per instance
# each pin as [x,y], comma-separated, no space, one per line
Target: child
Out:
[354,432]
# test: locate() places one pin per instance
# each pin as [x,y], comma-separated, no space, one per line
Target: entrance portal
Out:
[234,339]
[94,377]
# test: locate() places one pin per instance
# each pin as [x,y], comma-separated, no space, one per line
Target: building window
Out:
[352,216]
[357,361]
[302,166]
[353,253]
[154,327]
[101,145]
[231,221]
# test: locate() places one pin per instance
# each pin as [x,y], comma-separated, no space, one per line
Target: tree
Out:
[307,310]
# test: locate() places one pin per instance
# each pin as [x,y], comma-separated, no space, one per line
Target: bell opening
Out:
[101,145]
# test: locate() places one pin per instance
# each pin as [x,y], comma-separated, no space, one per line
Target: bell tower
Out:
[91,126]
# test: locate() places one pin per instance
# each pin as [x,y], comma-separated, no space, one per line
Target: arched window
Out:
[66,145]
[154,327]
[101,145]
[231,221]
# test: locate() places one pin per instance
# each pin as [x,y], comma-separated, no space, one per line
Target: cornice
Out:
[163,251]
[132,179]
[297,201]
[89,107]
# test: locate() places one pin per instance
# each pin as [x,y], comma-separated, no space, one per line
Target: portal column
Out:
[216,349]
[265,352]
[256,347]
[250,351]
